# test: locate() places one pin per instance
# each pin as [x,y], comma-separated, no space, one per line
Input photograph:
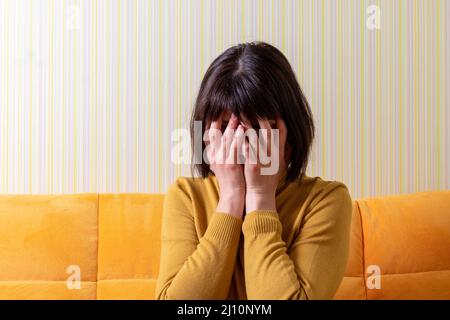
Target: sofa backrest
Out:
[405,239]
[113,242]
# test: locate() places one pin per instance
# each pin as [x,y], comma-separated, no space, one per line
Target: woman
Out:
[236,233]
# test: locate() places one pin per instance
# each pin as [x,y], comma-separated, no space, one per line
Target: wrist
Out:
[231,203]
[260,201]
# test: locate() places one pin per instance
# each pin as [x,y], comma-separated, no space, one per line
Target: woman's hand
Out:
[222,151]
[261,187]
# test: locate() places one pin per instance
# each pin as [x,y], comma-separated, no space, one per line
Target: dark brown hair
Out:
[255,79]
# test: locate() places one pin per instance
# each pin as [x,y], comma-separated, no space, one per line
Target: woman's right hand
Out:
[222,151]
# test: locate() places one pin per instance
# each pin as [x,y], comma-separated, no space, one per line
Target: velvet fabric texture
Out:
[115,241]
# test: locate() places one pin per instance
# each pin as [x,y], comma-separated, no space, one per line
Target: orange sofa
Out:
[113,241]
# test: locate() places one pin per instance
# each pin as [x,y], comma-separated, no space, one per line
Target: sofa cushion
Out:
[40,238]
[408,238]
[129,245]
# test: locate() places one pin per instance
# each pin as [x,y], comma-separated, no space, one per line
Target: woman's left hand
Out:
[262,179]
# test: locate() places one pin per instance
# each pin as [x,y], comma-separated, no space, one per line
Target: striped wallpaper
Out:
[90,91]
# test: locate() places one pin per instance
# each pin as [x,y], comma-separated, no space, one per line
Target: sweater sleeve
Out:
[313,265]
[192,268]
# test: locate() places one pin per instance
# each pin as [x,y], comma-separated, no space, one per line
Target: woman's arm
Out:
[192,268]
[313,266]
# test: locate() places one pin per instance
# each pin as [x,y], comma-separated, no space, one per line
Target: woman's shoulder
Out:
[317,189]
[318,184]
[194,195]
[192,186]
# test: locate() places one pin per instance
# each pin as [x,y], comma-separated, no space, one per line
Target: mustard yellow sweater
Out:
[298,252]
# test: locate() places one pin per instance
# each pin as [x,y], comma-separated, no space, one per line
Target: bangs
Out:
[241,97]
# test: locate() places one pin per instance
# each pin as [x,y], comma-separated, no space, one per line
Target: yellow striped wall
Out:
[90,91]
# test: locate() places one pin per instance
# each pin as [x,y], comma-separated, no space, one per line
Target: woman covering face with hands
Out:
[252,224]
[238,160]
